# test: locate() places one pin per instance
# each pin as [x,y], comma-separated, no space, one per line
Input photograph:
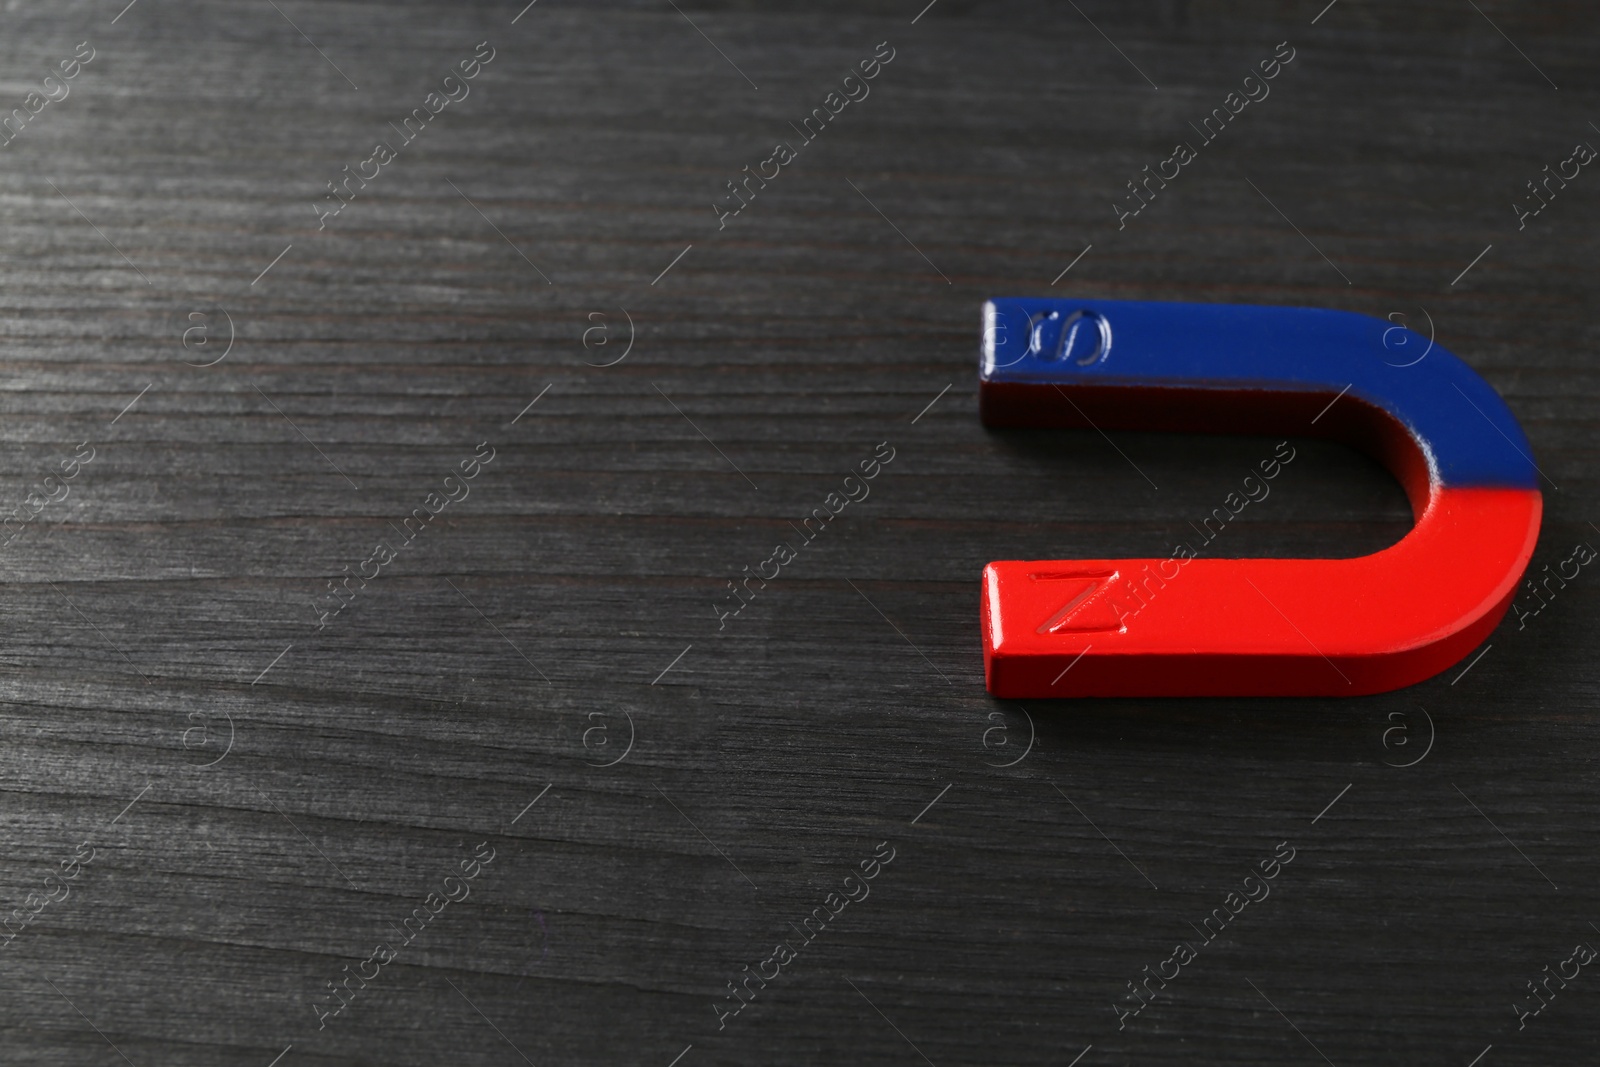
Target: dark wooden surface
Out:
[267,800]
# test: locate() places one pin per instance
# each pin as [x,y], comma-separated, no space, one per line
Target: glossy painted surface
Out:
[1452,413]
[1198,626]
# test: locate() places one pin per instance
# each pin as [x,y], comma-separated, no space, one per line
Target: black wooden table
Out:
[392,391]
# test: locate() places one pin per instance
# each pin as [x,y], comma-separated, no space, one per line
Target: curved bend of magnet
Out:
[1185,626]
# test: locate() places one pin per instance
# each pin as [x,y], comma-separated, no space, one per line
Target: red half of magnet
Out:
[1262,627]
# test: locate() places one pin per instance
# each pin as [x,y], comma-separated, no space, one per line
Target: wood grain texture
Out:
[267,800]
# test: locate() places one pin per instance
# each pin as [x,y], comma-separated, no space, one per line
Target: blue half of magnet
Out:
[1465,431]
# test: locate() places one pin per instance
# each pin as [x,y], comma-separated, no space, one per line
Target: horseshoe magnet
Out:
[1186,626]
